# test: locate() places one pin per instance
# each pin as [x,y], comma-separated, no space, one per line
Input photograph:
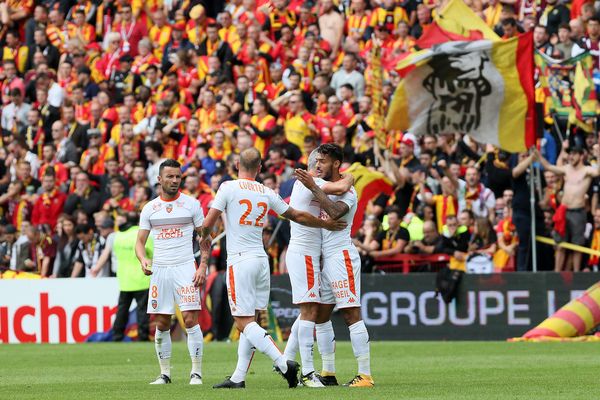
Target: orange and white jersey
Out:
[304,239]
[246,204]
[172,226]
[335,242]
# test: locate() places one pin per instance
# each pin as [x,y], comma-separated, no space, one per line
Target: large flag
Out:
[434,34]
[368,184]
[481,88]
[457,18]
[569,88]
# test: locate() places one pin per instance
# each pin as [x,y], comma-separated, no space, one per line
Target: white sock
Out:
[245,355]
[306,342]
[265,344]
[195,344]
[326,345]
[359,337]
[162,344]
[291,348]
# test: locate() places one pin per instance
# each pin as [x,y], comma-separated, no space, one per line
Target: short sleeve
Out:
[197,213]
[349,198]
[110,240]
[490,201]
[220,201]
[145,218]
[277,204]
[403,234]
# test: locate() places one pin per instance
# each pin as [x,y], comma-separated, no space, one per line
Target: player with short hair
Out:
[246,204]
[304,267]
[172,218]
[340,284]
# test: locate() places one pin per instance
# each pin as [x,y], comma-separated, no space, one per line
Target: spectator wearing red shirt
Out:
[49,162]
[131,31]
[42,250]
[118,200]
[50,204]
[334,115]
[10,80]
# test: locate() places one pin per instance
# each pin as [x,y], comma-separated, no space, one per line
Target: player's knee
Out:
[308,312]
[190,320]
[351,315]
[163,324]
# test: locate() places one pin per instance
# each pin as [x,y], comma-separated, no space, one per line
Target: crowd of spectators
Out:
[96,94]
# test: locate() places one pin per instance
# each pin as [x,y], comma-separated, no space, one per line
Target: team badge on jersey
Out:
[169,208]
[154,304]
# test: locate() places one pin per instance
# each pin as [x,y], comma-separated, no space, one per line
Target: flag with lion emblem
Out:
[482,88]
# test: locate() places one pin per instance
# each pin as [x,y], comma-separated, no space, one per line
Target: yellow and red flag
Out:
[482,88]
[368,184]
[457,18]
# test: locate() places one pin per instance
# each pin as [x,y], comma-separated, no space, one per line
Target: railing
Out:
[406,262]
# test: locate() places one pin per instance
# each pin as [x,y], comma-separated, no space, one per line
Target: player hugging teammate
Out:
[173,217]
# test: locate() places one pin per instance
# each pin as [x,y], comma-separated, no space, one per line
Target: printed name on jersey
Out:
[251,185]
[169,233]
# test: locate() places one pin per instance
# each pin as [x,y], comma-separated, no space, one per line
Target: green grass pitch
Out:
[402,370]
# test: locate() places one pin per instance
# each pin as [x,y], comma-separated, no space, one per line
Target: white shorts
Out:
[248,286]
[305,276]
[340,279]
[173,285]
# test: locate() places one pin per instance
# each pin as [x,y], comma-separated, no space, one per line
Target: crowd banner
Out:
[394,306]
[482,88]
[488,307]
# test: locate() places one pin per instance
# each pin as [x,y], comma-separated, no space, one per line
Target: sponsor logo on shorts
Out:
[187,294]
[351,300]
[169,233]
[312,295]
[169,208]
[154,304]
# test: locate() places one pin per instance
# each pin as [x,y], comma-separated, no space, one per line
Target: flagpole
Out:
[532,204]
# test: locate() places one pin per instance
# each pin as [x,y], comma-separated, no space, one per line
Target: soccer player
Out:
[246,204]
[340,283]
[304,266]
[172,219]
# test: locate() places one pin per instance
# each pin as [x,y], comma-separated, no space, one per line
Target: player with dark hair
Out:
[172,218]
[341,270]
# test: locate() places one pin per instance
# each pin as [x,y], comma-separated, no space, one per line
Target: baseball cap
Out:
[179,26]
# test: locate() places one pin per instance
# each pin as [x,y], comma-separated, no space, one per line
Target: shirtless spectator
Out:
[571,217]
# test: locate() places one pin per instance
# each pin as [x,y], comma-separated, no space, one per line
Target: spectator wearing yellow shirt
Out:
[298,122]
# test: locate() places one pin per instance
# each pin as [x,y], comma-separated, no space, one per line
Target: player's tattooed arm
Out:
[335,210]
[304,218]
[340,187]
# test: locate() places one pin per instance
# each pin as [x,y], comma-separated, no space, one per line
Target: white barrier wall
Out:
[56,310]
